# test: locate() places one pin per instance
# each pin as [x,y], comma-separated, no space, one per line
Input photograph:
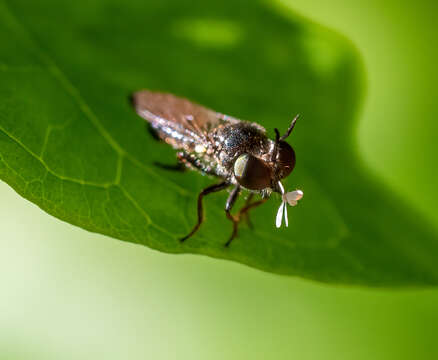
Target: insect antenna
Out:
[279,138]
[275,150]
[291,127]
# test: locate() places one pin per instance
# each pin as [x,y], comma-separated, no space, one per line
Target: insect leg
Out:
[175,167]
[179,166]
[235,219]
[244,211]
[153,132]
[246,215]
[206,191]
[190,161]
[184,161]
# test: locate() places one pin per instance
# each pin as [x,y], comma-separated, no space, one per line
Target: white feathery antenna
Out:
[291,198]
[279,217]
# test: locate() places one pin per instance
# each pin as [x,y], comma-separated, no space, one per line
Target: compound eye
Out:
[285,159]
[251,172]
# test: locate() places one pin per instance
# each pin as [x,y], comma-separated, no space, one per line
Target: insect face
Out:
[256,174]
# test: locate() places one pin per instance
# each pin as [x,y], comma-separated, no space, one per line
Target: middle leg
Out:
[206,191]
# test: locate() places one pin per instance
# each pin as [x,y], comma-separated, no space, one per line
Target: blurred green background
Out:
[69,294]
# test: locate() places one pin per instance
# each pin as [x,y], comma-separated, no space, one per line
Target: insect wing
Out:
[180,122]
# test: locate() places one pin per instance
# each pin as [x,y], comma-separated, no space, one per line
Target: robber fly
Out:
[238,152]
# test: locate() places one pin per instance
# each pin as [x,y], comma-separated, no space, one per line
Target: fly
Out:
[237,152]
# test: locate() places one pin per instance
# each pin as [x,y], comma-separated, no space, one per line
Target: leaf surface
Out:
[70,142]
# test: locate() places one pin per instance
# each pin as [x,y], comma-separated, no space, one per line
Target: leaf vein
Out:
[61,177]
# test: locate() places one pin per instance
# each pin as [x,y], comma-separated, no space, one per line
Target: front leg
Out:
[235,219]
[246,214]
[206,191]
[244,211]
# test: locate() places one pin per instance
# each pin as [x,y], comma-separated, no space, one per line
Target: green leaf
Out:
[70,142]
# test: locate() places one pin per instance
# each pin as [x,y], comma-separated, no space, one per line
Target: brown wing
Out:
[178,121]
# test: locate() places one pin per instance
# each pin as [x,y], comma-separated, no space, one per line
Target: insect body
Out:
[238,152]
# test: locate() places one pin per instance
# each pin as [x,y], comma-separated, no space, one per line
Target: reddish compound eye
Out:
[285,159]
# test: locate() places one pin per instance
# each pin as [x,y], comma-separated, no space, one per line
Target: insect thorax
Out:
[232,140]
